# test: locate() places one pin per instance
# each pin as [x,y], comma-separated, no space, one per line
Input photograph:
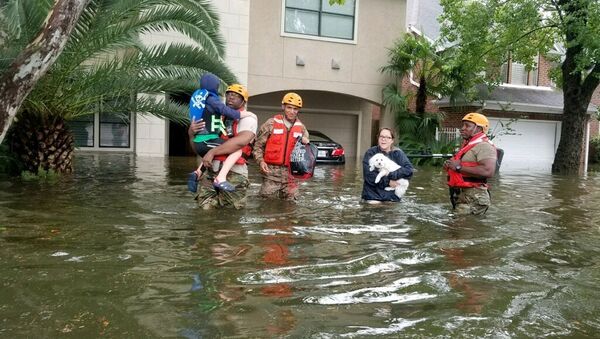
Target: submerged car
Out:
[329,151]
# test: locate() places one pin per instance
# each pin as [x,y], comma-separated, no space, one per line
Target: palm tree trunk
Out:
[42,143]
[421,101]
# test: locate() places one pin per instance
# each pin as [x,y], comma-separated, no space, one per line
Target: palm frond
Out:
[105,59]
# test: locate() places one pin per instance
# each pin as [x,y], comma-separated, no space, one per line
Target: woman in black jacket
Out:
[375,192]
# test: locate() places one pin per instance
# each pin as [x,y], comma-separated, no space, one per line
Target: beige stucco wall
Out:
[272,57]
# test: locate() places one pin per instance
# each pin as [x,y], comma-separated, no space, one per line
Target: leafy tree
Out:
[105,64]
[486,32]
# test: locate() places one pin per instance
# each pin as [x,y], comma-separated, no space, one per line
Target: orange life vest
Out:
[246,150]
[458,180]
[281,141]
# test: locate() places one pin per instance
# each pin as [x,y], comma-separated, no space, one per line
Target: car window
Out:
[318,136]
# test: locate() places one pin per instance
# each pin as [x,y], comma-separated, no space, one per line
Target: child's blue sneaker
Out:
[223,186]
[192,182]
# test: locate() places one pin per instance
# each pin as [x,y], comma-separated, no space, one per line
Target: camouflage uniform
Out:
[279,183]
[209,198]
[474,201]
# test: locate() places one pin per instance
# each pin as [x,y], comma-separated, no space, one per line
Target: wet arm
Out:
[486,168]
[305,136]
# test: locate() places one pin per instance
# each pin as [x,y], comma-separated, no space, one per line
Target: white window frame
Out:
[96,139]
[509,64]
[354,41]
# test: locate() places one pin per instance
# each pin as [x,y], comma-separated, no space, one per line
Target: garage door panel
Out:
[530,145]
[339,127]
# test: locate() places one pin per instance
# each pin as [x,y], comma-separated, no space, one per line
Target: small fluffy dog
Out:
[386,165]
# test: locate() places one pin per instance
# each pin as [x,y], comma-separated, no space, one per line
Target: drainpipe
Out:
[587,148]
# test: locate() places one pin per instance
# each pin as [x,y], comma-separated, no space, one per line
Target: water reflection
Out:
[120,249]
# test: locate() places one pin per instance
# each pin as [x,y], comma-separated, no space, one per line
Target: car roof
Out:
[321,134]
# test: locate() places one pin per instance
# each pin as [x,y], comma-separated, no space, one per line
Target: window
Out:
[106,129]
[318,18]
[516,74]
[83,131]
[114,131]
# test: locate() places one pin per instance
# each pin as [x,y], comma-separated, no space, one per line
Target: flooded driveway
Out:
[121,250]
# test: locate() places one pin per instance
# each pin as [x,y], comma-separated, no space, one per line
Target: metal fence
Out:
[447,134]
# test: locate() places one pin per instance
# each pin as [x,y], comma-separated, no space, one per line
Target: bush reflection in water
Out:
[120,249]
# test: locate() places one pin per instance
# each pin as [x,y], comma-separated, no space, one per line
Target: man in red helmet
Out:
[274,144]
[469,169]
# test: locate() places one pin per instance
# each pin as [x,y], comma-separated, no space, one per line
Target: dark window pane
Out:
[83,131]
[304,4]
[114,131]
[297,21]
[317,17]
[337,26]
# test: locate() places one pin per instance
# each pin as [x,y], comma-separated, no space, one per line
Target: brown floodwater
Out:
[120,249]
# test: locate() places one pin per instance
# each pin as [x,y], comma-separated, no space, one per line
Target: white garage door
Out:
[342,128]
[528,145]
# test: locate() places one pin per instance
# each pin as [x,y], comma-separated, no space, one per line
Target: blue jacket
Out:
[214,110]
[373,191]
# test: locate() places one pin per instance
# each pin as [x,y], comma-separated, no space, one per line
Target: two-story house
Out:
[330,55]
[527,98]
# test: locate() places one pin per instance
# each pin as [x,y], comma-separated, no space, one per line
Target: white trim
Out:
[587,148]
[354,41]
[525,108]
[541,88]
[96,140]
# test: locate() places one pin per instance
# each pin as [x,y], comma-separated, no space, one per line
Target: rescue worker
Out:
[274,144]
[469,169]
[243,132]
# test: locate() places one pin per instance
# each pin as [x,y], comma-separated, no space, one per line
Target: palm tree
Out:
[106,65]
[416,56]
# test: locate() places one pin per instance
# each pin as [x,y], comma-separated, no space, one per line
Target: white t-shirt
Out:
[249,123]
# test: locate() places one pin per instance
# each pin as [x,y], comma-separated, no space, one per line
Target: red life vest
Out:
[281,141]
[458,180]
[246,150]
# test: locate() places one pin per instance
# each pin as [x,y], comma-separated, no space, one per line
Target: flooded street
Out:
[120,249]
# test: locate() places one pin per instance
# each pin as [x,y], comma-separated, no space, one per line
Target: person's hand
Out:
[264,168]
[451,164]
[305,140]
[393,183]
[207,159]
[195,127]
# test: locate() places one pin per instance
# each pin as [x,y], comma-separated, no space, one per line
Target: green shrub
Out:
[594,154]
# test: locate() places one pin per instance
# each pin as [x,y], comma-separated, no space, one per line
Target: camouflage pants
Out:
[279,184]
[209,198]
[474,200]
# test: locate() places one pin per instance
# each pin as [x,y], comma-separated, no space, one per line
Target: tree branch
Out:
[592,80]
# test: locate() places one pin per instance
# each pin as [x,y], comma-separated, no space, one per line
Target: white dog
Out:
[386,165]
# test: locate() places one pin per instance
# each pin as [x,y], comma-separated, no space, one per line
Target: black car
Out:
[329,151]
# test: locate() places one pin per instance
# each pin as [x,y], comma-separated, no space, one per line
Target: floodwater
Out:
[121,250]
